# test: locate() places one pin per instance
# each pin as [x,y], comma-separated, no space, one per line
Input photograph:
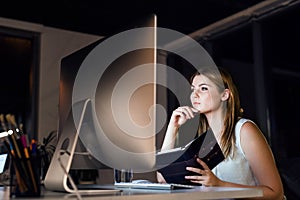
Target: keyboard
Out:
[157,186]
[97,189]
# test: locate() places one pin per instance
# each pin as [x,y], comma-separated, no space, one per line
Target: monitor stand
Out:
[57,175]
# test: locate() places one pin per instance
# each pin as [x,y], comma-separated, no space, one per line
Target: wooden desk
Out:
[197,193]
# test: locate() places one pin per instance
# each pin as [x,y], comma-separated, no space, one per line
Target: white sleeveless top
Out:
[235,168]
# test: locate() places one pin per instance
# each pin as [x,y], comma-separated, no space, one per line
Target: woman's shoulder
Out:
[247,123]
[239,124]
[248,130]
[241,121]
[248,135]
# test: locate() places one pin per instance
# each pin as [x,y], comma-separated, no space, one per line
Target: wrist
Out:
[173,126]
[220,183]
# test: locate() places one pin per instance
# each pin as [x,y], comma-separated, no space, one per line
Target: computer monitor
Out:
[107,105]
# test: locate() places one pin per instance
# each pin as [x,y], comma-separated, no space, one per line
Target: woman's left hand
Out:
[206,177]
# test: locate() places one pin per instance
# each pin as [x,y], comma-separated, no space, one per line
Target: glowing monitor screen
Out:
[114,94]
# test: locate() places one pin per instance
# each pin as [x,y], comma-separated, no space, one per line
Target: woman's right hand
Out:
[178,118]
[181,115]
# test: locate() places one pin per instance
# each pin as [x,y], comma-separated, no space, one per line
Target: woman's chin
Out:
[196,110]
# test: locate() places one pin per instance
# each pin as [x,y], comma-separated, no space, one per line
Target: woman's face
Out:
[205,96]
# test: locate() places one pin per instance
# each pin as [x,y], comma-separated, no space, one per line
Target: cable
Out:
[68,175]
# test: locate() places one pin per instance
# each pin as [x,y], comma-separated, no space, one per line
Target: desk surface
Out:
[197,193]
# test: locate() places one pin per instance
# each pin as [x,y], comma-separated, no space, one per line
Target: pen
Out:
[27,157]
[30,170]
[33,147]
[20,145]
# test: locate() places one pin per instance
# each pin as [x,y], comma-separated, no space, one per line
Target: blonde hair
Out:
[223,80]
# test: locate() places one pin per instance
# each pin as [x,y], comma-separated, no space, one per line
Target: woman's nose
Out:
[195,93]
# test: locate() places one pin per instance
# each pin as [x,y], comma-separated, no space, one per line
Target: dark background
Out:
[20,49]
[260,49]
[106,17]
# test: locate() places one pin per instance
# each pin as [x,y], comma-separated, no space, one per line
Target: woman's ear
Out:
[225,95]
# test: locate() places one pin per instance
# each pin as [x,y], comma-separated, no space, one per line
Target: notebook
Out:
[172,163]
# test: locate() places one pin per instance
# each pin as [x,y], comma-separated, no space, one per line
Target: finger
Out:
[203,164]
[183,112]
[188,112]
[195,111]
[160,178]
[198,182]
[197,170]
[179,112]
[193,177]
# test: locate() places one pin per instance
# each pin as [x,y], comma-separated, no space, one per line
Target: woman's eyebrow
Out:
[201,84]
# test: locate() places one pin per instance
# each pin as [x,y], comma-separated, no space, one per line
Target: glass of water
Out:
[123,175]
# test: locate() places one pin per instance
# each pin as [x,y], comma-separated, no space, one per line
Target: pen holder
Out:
[25,177]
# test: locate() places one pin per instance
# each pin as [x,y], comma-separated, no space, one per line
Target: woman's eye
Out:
[200,88]
[203,88]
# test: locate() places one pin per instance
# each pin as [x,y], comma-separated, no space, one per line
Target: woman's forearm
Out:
[170,136]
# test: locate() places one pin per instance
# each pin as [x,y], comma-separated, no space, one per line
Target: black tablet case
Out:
[204,146]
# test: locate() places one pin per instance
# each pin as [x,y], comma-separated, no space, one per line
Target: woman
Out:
[249,161]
